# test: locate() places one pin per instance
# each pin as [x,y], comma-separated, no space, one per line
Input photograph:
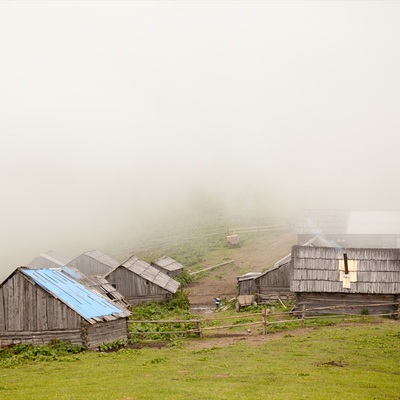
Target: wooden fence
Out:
[265,319]
[254,229]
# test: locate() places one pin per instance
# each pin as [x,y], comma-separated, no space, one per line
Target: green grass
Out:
[361,361]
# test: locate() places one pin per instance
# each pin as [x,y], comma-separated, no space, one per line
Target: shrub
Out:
[184,278]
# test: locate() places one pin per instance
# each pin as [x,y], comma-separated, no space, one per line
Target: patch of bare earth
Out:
[255,254]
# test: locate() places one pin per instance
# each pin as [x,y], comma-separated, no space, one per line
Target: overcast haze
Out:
[114,113]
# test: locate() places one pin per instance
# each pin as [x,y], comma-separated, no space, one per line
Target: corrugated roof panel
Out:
[85,302]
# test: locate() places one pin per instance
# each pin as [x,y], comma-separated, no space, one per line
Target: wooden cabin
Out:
[246,283]
[168,265]
[363,229]
[139,282]
[319,279]
[274,284]
[39,305]
[94,263]
[49,259]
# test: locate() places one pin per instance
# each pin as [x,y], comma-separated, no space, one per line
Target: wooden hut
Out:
[38,305]
[321,277]
[168,265]
[94,263]
[274,284]
[49,259]
[363,229]
[139,282]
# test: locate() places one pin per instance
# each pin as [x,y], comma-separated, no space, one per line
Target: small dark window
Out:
[114,285]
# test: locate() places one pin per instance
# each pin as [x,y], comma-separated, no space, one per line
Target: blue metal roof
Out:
[85,302]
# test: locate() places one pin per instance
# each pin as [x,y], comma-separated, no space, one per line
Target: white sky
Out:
[114,111]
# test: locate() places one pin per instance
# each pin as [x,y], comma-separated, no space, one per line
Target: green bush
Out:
[180,301]
[55,350]
[184,278]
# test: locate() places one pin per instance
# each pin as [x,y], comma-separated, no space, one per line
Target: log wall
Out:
[318,300]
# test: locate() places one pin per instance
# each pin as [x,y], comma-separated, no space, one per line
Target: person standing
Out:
[217,302]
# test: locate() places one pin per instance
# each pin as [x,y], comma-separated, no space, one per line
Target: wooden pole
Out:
[199,328]
[303,314]
[264,321]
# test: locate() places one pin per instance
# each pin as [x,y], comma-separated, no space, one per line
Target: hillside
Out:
[257,253]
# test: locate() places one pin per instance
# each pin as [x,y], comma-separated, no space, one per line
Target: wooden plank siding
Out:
[105,333]
[136,289]
[93,263]
[28,313]
[274,284]
[30,308]
[317,278]
[371,301]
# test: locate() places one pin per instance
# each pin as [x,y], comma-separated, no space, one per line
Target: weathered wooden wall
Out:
[316,269]
[90,266]
[105,332]
[25,306]
[40,337]
[246,286]
[136,289]
[29,314]
[319,300]
[279,277]
[274,284]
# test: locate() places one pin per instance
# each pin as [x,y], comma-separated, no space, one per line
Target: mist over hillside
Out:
[125,121]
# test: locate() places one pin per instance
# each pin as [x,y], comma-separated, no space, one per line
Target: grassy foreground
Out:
[361,361]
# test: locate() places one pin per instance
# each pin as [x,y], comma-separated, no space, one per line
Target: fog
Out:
[116,116]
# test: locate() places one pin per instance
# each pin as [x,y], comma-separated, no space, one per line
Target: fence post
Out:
[198,325]
[264,320]
[303,314]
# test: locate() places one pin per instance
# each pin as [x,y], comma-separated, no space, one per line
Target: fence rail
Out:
[266,319]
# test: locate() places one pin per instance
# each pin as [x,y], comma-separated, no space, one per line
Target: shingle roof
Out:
[168,264]
[150,273]
[86,303]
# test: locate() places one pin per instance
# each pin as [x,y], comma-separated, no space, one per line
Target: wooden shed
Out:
[274,284]
[363,229]
[168,265]
[38,305]
[49,259]
[319,279]
[94,263]
[139,282]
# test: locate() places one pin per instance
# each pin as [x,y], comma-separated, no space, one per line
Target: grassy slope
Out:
[352,362]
